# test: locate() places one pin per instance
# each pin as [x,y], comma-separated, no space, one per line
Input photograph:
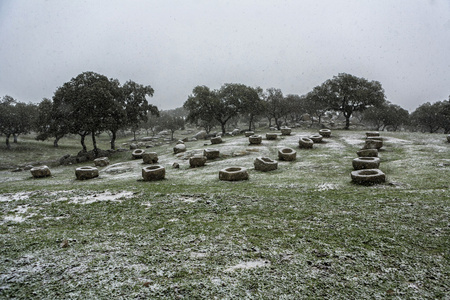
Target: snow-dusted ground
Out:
[106,257]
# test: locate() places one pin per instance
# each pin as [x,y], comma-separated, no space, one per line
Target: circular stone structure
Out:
[367,153]
[325,132]
[255,139]
[287,154]
[83,173]
[101,161]
[374,138]
[373,144]
[305,143]
[233,174]
[41,171]
[316,138]
[366,163]
[211,153]
[197,161]
[286,131]
[179,148]
[152,173]
[271,136]
[216,140]
[368,176]
[150,158]
[265,164]
[249,133]
[372,133]
[137,154]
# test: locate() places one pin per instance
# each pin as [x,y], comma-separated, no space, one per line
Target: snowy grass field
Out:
[303,231]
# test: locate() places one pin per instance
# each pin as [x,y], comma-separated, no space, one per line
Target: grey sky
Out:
[176,45]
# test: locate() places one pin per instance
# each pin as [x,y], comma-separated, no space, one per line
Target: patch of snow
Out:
[147,204]
[216,281]
[105,196]
[21,209]
[189,199]
[326,187]
[14,218]
[14,196]
[198,254]
[249,265]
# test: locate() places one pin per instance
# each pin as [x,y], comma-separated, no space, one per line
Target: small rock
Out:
[179,148]
[64,244]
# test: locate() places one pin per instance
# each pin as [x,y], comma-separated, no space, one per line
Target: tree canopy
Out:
[433,117]
[347,94]
[275,105]
[209,106]
[15,118]
[386,115]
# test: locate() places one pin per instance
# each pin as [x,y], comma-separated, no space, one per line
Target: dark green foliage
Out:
[275,105]
[91,103]
[220,106]
[347,94]
[51,122]
[16,118]
[86,102]
[172,123]
[387,115]
[136,104]
[433,117]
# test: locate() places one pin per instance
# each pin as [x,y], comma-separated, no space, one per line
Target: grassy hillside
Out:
[302,231]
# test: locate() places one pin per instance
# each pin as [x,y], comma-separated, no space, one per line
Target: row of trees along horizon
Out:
[91,103]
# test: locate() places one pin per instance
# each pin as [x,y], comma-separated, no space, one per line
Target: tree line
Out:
[344,94]
[86,105]
[91,103]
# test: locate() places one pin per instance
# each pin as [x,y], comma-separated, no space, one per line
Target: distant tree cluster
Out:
[91,103]
[86,105]
[386,115]
[432,117]
[344,93]
[15,118]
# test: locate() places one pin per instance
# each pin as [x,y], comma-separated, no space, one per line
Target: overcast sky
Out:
[176,45]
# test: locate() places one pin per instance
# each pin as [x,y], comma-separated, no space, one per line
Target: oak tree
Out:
[347,94]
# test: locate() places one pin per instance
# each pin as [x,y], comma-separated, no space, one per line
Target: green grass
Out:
[305,229]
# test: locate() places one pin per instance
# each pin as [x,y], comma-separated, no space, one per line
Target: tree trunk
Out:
[134,135]
[277,124]
[270,122]
[347,123]
[94,143]
[250,122]
[223,127]
[55,142]
[15,138]
[83,144]
[113,140]
[347,115]
[8,146]
[172,132]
